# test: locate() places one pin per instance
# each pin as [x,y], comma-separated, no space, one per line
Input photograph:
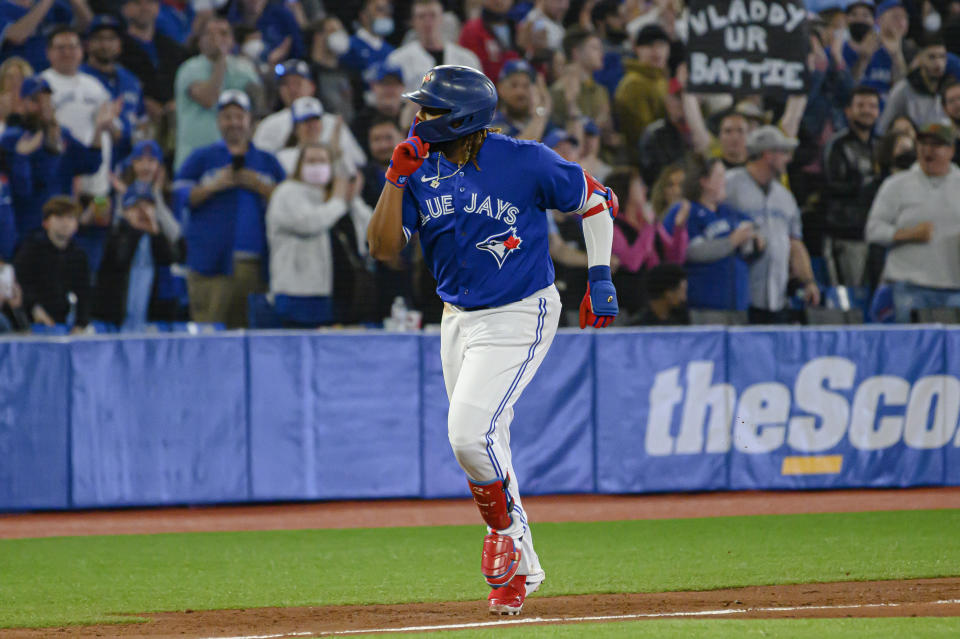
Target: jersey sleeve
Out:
[796,225]
[669,220]
[561,185]
[410,216]
[188,177]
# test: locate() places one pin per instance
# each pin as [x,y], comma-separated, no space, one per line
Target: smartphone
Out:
[6,281]
[238,162]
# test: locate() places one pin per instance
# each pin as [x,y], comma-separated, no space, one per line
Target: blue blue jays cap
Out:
[293,67]
[137,192]
[516,66]
[101,22]
[380,71]
[34,85]
[233,97]
[886,5]
[557,136]
[590,127]
[146,147]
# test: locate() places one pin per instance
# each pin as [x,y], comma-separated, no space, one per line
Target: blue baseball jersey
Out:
[122,84]
[722,284]
[484,232]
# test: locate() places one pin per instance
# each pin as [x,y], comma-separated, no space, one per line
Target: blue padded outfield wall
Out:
[233,417]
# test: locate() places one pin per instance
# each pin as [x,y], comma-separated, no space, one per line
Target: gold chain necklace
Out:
[436,180]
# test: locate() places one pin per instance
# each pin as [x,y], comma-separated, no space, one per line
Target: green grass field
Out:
[71,580]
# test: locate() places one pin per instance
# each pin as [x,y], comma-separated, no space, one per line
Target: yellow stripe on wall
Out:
[819,465]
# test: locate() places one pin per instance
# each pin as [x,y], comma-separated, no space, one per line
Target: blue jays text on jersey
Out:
[484,232]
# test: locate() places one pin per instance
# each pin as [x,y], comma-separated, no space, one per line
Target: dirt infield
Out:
[919,597]
[928,597]
[440,512]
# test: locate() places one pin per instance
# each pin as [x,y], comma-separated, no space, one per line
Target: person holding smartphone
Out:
[224,188]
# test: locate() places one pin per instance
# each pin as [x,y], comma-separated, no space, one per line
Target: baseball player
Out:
[478,199]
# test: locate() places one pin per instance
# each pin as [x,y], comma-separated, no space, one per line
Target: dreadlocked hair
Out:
[471,146]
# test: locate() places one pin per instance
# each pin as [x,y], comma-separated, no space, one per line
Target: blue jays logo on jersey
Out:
[501,245]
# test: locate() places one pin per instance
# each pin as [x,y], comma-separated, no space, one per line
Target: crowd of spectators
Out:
[218,160]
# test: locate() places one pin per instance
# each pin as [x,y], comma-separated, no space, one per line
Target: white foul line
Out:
[644,615]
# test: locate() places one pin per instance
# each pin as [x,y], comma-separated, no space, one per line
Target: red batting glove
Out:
[407,158]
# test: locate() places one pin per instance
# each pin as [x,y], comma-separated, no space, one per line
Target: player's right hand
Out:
[407,158]
[599,305]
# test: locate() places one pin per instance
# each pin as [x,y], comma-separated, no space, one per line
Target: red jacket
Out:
[477,38]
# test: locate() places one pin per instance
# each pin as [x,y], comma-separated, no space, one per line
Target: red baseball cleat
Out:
[509,599]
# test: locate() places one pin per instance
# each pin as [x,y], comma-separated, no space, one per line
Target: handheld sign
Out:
[747,46]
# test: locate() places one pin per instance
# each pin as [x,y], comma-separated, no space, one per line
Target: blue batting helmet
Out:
[468,97]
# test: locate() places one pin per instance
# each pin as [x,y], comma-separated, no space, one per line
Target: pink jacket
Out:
[642,252]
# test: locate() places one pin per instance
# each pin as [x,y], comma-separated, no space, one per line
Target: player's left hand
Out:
[599,305]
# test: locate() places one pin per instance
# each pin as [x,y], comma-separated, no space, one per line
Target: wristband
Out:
[599,274]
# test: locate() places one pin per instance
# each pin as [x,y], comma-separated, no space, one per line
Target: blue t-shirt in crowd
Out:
[722,284]
[612,72]
[173,23]
[484,232]
[34,48]
[42,174]
[230,221]
[122,83]
[276,23]
[364,51]
[8,228]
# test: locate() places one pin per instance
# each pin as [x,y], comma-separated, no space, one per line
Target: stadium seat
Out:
[832,316]
[945,315]
[714,317]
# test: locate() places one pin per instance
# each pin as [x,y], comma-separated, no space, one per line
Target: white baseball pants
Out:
[489,356]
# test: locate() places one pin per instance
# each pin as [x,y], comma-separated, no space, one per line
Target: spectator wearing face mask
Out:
[276,24]
[367,45]
[328,40]
[896,152]
[302,212]
[860,46]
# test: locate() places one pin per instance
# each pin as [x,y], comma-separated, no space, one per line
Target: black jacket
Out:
[113,278]
[47,275]
[662,144]
[848,167]
[157,80]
